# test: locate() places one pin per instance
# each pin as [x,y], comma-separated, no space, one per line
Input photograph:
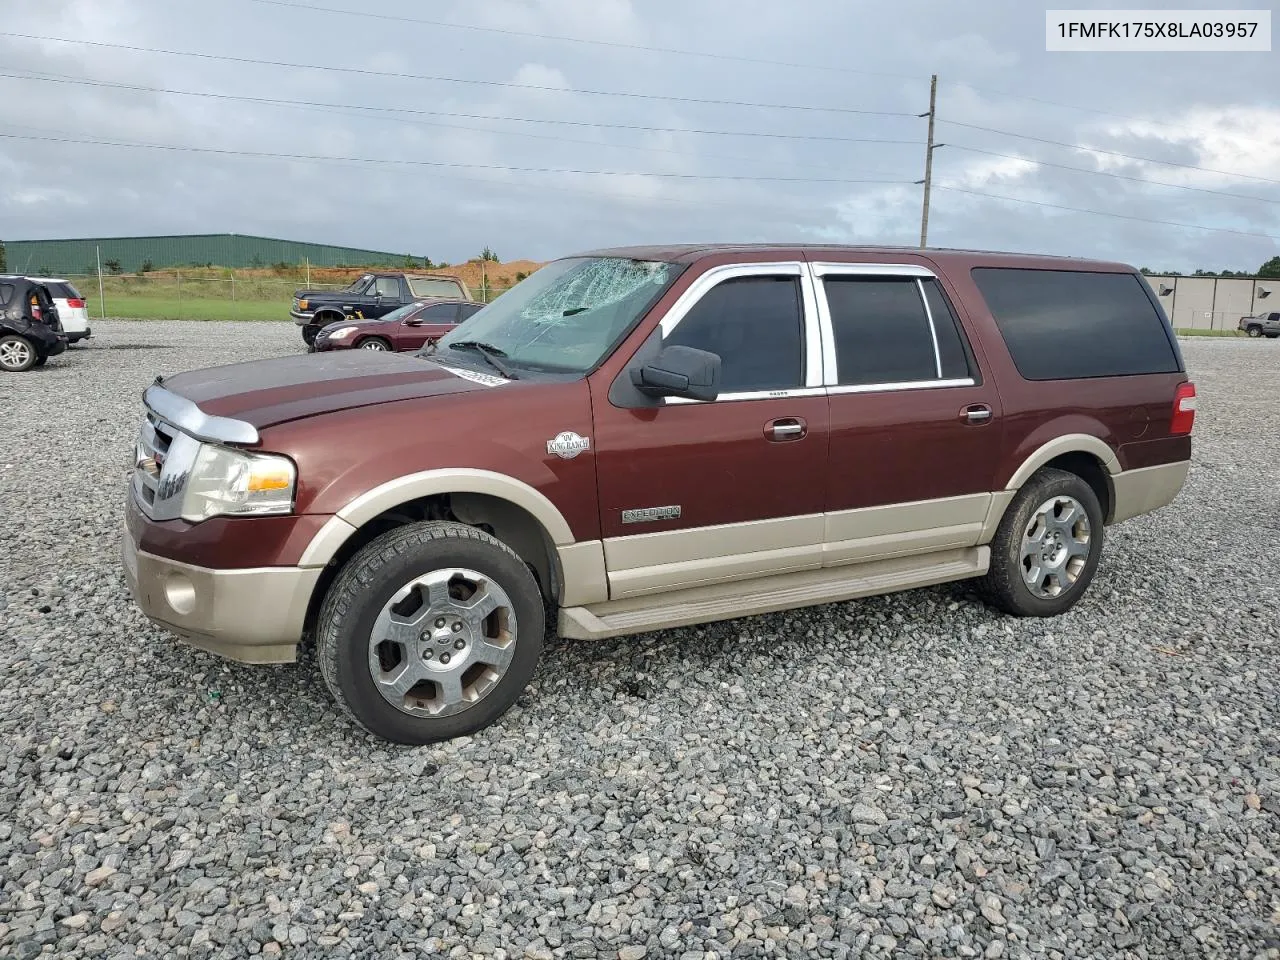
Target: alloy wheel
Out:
[442,642]
[1055,547]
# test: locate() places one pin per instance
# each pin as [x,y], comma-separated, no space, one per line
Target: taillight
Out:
[35,312]
[1184,409]
[75,304]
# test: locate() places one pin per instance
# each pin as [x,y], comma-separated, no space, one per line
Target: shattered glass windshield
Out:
[566,316]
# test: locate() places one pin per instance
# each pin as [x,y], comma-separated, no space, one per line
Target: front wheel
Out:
[1272,336]
[374,343]
[430,632]
[309,334]
[1046,548]
[1254,332]
[16,353]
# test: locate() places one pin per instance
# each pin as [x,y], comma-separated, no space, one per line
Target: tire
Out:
[1015,556]
[1254,332]
[431,566]
[309,333]
[1272,336]
[17,353]
[373,343]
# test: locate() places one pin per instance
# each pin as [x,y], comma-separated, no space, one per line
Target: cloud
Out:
[861,57]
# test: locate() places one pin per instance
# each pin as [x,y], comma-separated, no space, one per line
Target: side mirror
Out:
[414,322]
[680,372]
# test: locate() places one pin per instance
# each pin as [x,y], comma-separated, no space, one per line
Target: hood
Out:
[323,294]
[268,392]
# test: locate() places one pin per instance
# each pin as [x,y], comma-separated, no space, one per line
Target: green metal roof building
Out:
[235,250]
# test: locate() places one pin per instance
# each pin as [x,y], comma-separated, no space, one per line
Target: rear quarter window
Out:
[6,293]
[62,291]
[1070,324]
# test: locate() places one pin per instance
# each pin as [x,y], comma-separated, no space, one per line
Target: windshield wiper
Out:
[490,353]
[574,311]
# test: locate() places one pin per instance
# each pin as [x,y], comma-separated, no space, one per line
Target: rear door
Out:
[915,426]
[695,493]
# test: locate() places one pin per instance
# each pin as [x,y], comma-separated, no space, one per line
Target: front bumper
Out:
[302,319]
[253,616]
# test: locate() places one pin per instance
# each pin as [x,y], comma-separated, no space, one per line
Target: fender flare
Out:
[342,525]
[1067,443]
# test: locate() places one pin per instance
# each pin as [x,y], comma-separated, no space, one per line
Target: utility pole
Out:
[928,161]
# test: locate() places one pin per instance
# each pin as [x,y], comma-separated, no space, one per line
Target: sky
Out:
[417,163]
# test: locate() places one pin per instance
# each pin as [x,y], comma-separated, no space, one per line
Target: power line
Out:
[510,84]
[1110,153]
[1094,110]
[706,55]
[1103,213]
[1107,173]
[449,164]
[614,44]
[337,107]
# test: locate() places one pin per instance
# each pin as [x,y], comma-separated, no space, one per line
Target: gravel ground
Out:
[912,775]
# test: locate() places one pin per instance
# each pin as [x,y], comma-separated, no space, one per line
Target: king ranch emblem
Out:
[566,444]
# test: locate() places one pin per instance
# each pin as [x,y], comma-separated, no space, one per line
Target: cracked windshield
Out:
[566,316]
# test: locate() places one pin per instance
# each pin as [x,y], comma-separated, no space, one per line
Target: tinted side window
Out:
[1063,324]
[469,308]
[61,290]
[440,313]
[756,326]
[953,346]
[6,293]
[881,330]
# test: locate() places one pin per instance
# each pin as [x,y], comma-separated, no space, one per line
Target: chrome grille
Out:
[163,458]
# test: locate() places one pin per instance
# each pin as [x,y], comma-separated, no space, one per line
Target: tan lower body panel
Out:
[1147,488]
[727,601]
[254,616]
[681,559]
[903,529]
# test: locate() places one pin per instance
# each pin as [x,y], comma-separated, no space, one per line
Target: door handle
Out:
[976,413]
[785,428]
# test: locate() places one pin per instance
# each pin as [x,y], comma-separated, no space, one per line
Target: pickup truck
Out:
[1263,325]
[638,439]
[368,298]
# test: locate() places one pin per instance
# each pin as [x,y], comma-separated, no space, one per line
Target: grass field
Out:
[188,308]
[1193,332]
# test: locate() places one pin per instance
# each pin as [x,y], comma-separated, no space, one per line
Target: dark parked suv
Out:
[638,439]
[29,329]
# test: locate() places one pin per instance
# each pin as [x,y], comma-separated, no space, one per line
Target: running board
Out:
[805,588]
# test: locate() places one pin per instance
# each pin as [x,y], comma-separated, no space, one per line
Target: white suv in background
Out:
[72,310]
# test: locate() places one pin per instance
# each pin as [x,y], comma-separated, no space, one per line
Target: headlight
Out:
[230,482]
[302,304]
[341,333]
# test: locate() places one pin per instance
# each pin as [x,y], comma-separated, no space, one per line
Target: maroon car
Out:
[639,439]
[408,328]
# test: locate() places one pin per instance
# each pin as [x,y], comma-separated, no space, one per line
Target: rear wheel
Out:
[430,632]
[1046,548]
[1254,332]
[1272,336]
[374,343]
[16,353]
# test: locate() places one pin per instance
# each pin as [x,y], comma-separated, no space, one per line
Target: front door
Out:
[429,324]
[915,428]
[696,493]
[386,295]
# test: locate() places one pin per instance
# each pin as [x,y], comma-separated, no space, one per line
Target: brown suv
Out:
[642,438]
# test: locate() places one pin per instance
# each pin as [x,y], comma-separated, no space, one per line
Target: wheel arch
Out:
[1085,455]
[509,509]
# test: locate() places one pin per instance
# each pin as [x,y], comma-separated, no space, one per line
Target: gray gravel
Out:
[914,776]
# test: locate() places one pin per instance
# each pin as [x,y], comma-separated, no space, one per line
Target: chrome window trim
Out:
[827,328]
[822,269]
[814,365]
[182,414]
[933,331]
[904,385]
